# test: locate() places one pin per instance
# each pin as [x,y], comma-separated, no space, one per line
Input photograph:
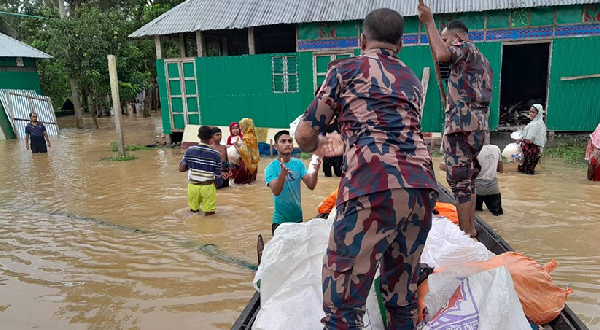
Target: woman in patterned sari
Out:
[245,173]
[533,139]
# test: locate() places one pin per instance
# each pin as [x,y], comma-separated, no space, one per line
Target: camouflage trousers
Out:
[388,228]
[461,150]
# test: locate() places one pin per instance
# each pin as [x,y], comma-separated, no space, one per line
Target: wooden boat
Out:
[567,320]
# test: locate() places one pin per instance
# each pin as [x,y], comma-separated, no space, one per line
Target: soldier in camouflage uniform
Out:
[388,190]
[469,97]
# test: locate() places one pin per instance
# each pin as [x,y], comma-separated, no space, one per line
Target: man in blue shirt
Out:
[283,176]
[36,133]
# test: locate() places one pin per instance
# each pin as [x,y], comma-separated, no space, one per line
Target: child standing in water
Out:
[223,181]
[203,165]
[235,135]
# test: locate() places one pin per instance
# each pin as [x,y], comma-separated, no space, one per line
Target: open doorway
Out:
[524,81]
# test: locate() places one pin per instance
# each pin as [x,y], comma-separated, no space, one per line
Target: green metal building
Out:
[265,58]
[17,72]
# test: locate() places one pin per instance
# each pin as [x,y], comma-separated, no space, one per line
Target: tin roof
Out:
[203,15]
[10,47]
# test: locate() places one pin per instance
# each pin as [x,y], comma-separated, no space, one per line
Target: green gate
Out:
[182,92]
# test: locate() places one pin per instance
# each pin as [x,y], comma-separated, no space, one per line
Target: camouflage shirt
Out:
[377,100]
[469,89]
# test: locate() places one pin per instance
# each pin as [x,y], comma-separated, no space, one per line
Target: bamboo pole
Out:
[114,87]
[438,77]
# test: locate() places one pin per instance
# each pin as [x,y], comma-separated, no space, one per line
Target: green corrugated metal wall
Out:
[574,105]
[5,126]
[493,52]
[13,77]
[418,57]
[247,90]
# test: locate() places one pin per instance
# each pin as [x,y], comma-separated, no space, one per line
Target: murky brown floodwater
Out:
[71,258]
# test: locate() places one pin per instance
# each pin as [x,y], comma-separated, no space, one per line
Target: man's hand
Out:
[27,146]
[317,166]
[284,170]
[49,144]
[330,146]
[425,14]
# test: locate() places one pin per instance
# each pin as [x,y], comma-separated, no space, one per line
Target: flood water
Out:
[90,244]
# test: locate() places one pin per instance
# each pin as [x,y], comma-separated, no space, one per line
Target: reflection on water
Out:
[86,244]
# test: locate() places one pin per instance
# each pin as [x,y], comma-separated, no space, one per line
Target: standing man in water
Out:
[469,97]
[388,189]
[223,181]
[36,133]
[283,176]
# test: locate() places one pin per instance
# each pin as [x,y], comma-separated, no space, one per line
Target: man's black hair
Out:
[280,133]
[205,133]
[216,130]
[384,25]
[458,25]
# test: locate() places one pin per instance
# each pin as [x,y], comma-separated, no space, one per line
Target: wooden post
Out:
[225,47]
[114,87]
[271,147]
[182,51]
[425,83]
[61,8]
[200,43]
[251,47]
[158,47]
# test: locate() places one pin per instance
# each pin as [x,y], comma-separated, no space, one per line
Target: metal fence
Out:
[19,103]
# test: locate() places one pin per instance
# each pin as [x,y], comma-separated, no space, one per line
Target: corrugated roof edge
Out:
[35,53]
[185,17]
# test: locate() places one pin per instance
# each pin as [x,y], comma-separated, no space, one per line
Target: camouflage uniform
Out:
[469,97]
[387,192]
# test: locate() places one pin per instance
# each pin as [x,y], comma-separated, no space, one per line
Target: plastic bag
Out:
[542,300]
[447,245]
[484,301]
[516,135]
[513,152]
[233,155]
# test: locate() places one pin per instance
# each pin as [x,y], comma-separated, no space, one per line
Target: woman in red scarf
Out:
[592,155]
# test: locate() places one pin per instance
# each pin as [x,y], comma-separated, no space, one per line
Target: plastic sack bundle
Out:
[467,299]
[290,280]
[447,245]
[513,152]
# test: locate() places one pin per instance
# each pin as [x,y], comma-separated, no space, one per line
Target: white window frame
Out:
[285,75]
[332,57]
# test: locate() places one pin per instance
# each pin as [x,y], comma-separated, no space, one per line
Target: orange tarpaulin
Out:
[448,211]
[328,203]
[542,300]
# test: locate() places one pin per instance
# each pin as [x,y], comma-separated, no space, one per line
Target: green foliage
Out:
[130,147]
[572,152]
[80,43]
[119,158]
[305,155]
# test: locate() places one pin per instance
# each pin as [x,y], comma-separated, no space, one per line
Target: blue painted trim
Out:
[477,36]
[328,44]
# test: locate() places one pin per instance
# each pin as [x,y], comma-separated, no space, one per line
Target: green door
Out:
[573,103]
[182,90]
